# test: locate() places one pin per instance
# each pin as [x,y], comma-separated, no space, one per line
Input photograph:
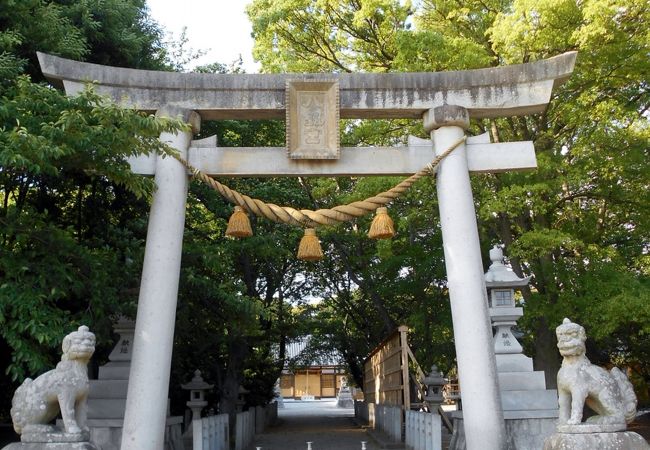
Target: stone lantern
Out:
[197,388]
[501,283]
[434,383]
[530,410]
[241,397]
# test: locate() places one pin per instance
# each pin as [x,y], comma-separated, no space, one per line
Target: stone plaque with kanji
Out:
[313,119]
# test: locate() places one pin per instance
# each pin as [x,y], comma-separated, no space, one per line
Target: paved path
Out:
[321,422]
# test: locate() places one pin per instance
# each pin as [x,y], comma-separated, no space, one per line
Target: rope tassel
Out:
[309,248]
[382,225]
[239,225]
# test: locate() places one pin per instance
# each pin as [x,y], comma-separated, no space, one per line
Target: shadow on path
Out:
[320,422]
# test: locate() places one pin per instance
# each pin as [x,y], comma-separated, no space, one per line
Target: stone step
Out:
[106,408]
[532,414]
[108,389]
[538,399]
[114,371]
[521,381]
[514,363]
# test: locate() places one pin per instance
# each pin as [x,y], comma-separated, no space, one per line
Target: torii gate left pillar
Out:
[154,329]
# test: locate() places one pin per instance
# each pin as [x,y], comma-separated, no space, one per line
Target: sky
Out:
[220,27]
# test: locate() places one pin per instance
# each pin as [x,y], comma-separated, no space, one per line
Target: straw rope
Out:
[307,218]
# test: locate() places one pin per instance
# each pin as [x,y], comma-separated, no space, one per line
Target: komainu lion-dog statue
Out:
[37,402]
[609,394]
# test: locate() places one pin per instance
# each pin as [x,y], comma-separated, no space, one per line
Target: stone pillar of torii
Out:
[446,101]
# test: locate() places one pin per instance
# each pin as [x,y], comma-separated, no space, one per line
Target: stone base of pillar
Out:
[523,433]
[107,433]
[51,446]
[623,440]
[345,402]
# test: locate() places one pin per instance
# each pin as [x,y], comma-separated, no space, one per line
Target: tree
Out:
[578,223]
[327,35]
[71,212]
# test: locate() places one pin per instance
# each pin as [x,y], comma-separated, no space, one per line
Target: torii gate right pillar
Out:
[482,413]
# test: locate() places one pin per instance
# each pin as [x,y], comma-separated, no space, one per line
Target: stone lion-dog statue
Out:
[609,394]
[37,402]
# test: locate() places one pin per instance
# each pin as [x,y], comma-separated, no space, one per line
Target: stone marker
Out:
[36,403]
[107,396]
[609,394]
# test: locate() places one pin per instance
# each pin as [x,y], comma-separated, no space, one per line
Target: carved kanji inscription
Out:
[312,119]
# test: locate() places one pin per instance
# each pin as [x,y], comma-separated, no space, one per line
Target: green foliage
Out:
[32,25]
[55,152]
[578,224]
[45,133]
[50,283]
[113,32]
[72,215]
[327,35]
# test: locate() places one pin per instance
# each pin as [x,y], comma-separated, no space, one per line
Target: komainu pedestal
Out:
[609,394]
[51,446]
[622,440]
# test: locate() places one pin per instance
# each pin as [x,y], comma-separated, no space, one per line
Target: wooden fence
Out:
[388,420]
[388,397]
[422,431]
[244,429]
[211,433]
[386,376]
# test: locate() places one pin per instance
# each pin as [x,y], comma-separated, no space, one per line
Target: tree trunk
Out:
[547,357]
[231,381]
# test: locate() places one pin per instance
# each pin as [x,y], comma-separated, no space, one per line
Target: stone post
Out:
[146,404]
[482,413]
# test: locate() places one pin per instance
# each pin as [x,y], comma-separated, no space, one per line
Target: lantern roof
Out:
[197,383]
[501,275]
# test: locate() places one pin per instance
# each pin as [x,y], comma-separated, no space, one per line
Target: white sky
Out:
[219,26]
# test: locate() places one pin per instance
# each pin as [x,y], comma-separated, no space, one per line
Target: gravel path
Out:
[320,422]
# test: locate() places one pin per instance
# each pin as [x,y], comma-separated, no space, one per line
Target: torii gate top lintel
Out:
[492,92]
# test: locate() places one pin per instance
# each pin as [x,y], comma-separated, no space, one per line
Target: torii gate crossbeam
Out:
[446,101]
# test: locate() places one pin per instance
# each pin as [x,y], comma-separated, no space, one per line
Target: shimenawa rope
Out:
[307,218]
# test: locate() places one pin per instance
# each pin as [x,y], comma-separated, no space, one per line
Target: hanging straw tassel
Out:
[382,225]
[309,249]
[239,225]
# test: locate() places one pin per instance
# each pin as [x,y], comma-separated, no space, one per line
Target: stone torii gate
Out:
[445,101]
